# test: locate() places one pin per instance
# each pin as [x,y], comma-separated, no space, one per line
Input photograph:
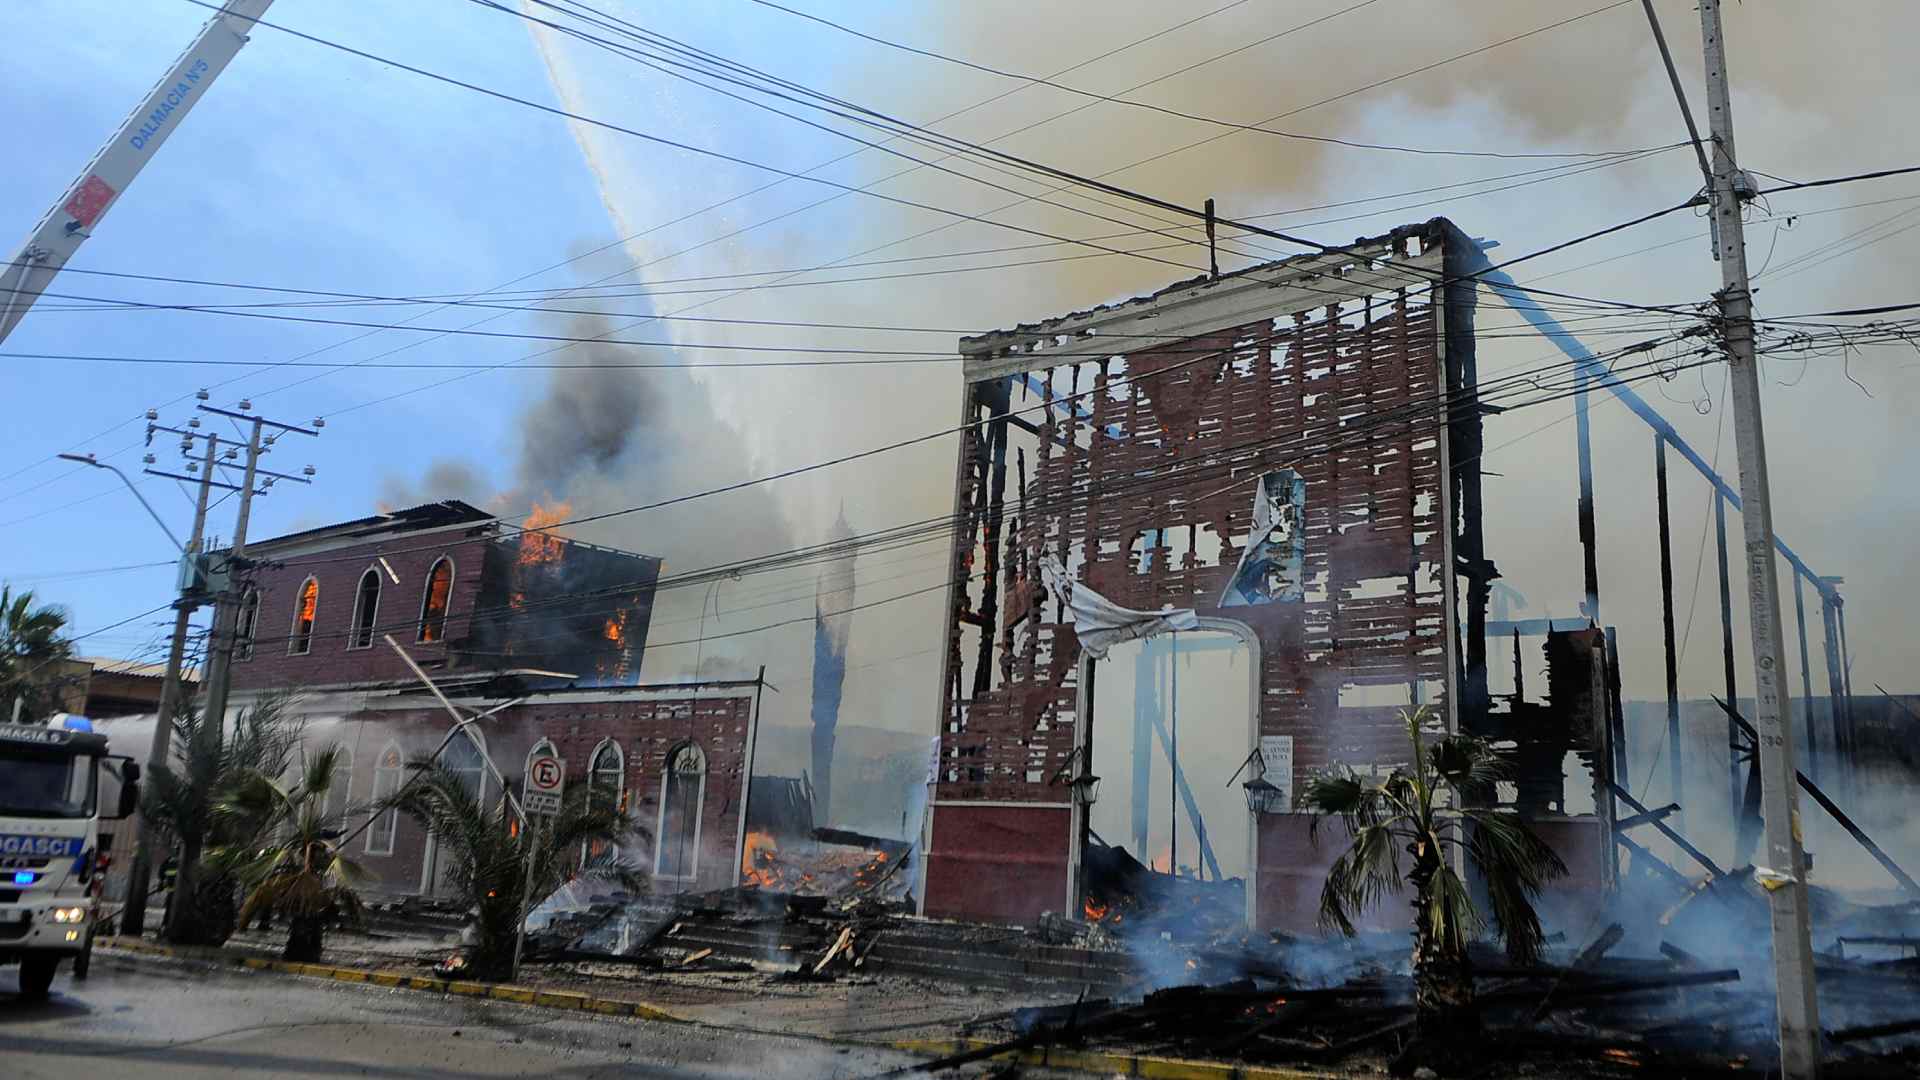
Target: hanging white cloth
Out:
[1100,623]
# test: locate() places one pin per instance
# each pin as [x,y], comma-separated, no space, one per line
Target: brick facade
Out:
[647,725]
[330,659]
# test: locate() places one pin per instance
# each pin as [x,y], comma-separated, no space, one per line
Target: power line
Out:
[1216,121]
[1653,369]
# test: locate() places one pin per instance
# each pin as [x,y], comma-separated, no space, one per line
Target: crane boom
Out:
[27,274]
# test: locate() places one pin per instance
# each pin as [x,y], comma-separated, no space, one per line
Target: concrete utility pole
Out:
[226,619]
[1799,1010]
[133,917]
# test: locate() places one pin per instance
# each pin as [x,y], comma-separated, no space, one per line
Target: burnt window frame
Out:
[439,622]
[360,631]
[248,623]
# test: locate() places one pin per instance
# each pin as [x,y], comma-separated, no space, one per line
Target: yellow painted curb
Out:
[552,999]
[1148,1068]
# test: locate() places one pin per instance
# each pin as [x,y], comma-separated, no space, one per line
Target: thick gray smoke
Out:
[587,421]
[1812,92]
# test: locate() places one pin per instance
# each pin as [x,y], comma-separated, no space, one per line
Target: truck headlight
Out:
[69,914]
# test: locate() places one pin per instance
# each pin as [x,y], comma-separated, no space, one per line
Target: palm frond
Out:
[1516,866]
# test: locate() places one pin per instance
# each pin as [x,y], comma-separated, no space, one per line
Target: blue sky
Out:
[305,168]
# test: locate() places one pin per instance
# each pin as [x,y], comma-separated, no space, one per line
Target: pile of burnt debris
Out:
[1585,1012]
[808,907]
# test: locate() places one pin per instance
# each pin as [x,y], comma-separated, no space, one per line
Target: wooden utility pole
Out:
[1799,1011]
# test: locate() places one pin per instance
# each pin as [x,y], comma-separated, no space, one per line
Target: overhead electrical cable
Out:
[1200,118]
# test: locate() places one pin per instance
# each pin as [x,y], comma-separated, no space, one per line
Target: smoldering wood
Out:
[1667,831]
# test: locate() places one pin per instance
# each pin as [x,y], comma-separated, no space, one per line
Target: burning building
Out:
[539,634]
[1267,449]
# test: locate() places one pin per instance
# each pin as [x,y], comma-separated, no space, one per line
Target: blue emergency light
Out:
[23,877]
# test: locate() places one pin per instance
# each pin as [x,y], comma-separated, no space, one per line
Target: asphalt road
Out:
[140,1020]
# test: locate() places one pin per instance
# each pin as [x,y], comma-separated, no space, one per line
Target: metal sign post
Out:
[546,783]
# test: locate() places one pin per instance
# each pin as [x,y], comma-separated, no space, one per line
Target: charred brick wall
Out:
[1161,462]
[1138,472]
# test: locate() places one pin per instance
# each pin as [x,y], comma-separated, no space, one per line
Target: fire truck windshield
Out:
[47,785]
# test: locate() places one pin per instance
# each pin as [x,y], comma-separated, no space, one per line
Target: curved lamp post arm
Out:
[88,459]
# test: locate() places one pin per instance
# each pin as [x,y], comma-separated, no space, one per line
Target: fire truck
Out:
[51,857]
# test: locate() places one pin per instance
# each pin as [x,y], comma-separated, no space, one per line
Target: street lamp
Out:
[89,459]
[1083,787]
[1263,797]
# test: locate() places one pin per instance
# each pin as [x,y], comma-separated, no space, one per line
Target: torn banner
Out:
[1100,623]
[1273,567]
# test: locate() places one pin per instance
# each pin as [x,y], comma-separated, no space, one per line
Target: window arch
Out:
[465,757]
[683,796]
[434,600]
[366,609]
[607,775]
[387,770]
[249,622]
[306,606]
[606,789]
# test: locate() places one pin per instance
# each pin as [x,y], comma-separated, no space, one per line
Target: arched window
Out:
[433,604]
[387,770]
[249,620]
[366,608]
[683,793]
[306,606]
[606,790]
[466,758]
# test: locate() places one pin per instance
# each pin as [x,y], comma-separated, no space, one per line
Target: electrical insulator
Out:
[202,394]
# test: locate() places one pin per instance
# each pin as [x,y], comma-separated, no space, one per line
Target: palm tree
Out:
[290,864]
[488,852]
[183,799]
[30,640]
[1435,807]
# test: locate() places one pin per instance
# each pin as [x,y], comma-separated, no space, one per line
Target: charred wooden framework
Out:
[1127,442]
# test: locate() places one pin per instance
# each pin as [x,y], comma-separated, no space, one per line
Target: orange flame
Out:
[539,545]
[757,861]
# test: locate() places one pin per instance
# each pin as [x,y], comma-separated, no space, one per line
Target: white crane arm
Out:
[27,274]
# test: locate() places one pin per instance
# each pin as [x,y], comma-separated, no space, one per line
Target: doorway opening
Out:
[1169,837]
